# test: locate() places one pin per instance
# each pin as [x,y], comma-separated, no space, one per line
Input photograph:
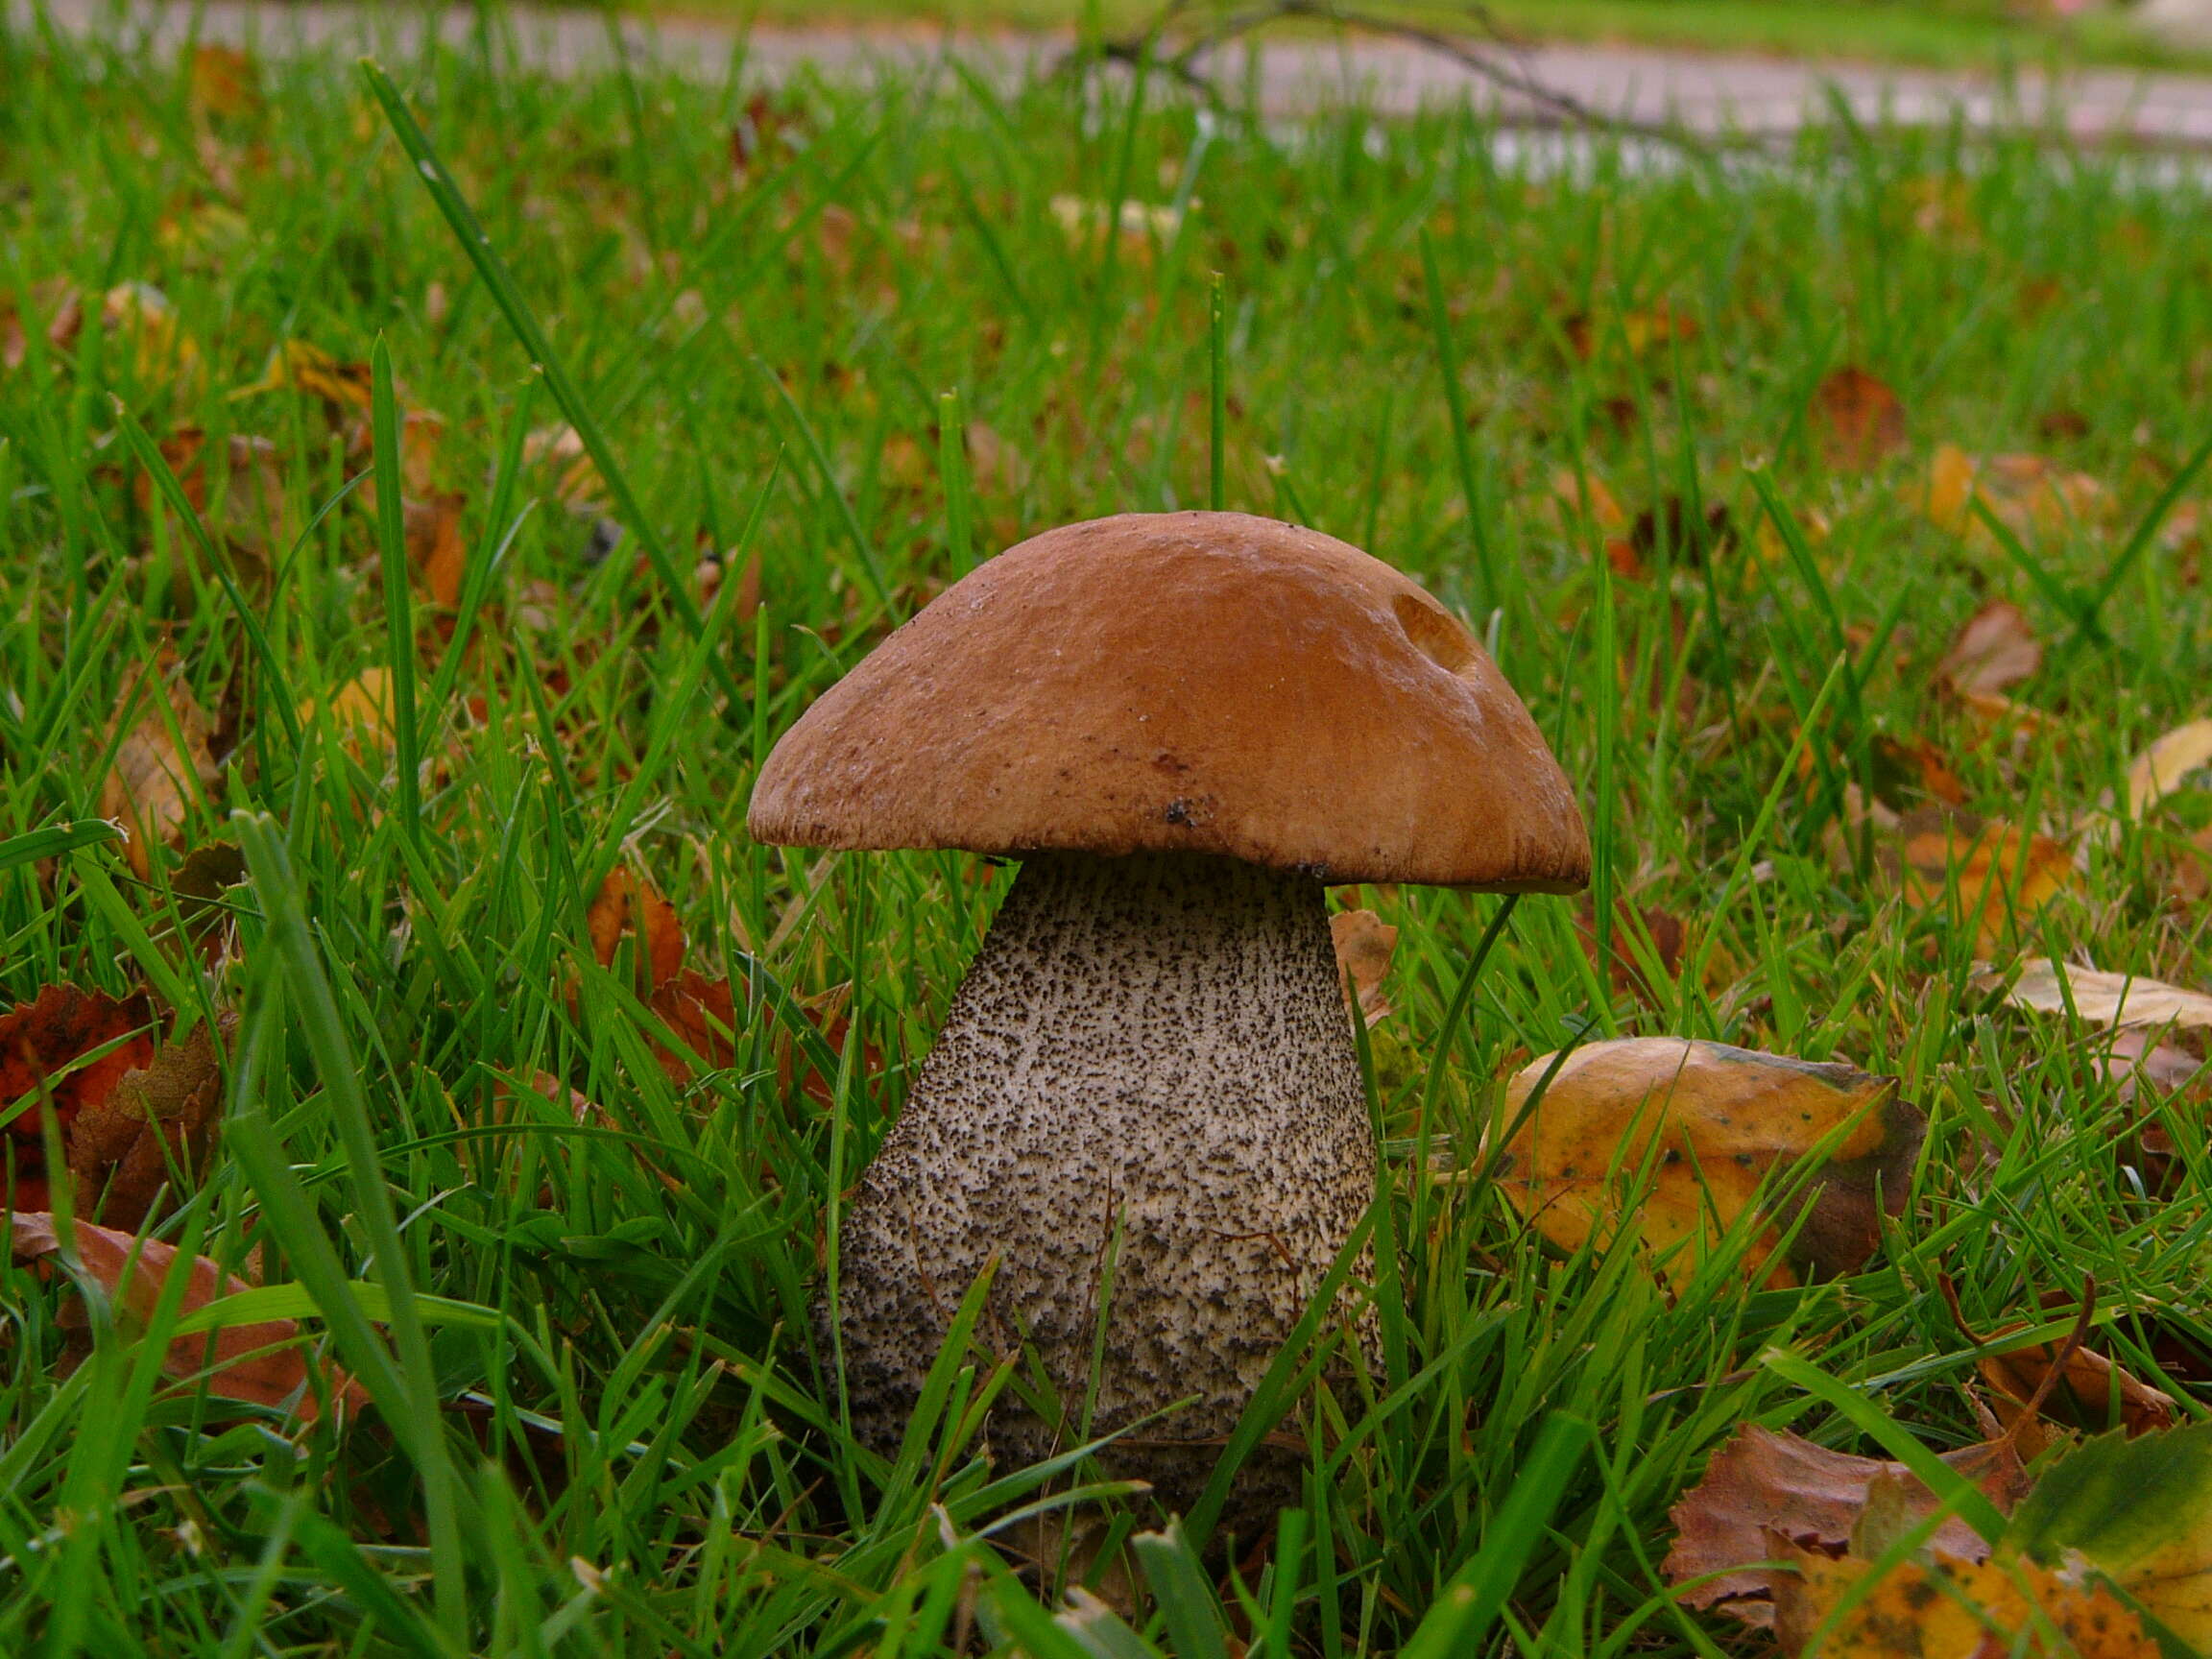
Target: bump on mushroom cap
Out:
[1186,682]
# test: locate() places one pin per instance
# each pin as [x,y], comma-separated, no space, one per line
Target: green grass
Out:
[601,1425]
[1951,34]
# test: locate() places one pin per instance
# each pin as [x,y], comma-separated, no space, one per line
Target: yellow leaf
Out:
[361,711]
[1997,871]
[1677,1142]
[1949,1609]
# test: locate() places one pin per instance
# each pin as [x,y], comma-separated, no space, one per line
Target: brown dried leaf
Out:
[259,1361]
[42,1040]
[161,761]
[1578,493]
[702,1015]
[1626,971]
[1948,1608]
[2027,494]
[1670,533]
[1905,766]
[1997,871]
[1762,1484]
[577,485]
[628,905]
[435,550]
[1859,419]
[1994,652]
[149,1132]
[2134,1064]
[1364,943]
[223,81]
[2090,1394]
[1696,1131]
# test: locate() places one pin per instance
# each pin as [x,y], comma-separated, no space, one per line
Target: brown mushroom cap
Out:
[1186,682]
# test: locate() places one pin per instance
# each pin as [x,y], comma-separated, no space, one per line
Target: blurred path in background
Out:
[1708,94]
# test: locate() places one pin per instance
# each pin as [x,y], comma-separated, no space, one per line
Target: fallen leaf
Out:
[1627,972]
[1762,1483]
[139,317]
[161,765]
[435,550]
[1670,533]
[2102,998]
[1584,491]
[2167,764]
[1947,1608]
[361,712]
[344,389]
[252,511]
[2027,494]
[2089,1393]
[1907,766]
[2133,1062]
[1994,652]
[199,883]
[1641,327]
[626,905]
[1993,871]
[1676,1140]
[42,1040]
[1860,421]
[577,485]
[150,1130]
[223,80]
[257,1360]
[1364,943]
[2141,1510]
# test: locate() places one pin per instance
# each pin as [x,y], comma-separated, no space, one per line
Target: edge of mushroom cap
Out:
[1200,682]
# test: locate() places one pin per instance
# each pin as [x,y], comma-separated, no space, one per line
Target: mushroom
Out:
[1145,1103]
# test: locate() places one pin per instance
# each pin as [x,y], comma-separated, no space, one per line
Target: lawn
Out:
[431,632]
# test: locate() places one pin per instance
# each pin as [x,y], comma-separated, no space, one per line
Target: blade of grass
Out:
[408,1399]
[398,599]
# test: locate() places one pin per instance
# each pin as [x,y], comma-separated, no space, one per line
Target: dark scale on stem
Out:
[1156,1043]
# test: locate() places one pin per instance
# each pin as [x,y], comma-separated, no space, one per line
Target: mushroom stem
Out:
[1146,1096]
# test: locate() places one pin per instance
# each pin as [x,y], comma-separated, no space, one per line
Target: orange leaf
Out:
[1364,943]
[628,905]
[259,1361]
[434,545]
[1860,420]
[1997,871]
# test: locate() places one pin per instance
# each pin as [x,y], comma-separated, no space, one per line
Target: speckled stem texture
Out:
[1146,1088]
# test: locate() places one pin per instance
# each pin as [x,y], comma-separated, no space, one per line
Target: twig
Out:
[1563,108]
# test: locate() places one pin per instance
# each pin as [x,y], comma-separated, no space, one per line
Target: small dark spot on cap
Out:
[1174,765]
